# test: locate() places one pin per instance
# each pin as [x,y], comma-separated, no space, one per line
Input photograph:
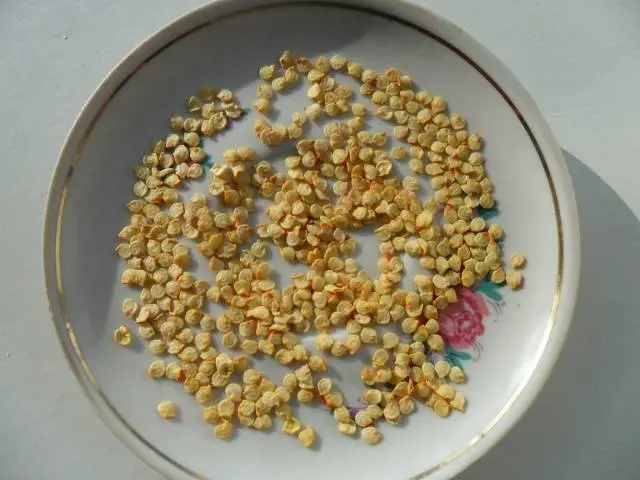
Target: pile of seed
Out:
[333,184]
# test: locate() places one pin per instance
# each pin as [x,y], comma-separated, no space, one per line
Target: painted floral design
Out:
[462,323]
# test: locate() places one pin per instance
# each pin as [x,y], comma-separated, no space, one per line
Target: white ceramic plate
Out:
[506,341]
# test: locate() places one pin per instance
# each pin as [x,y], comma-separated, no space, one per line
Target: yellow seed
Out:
[456,375]
[267,72]
[459,402]
[210,415]
[371,435]
[291,426]
[307,437]
[406,405]
[347,428]
[435,342]
[517,260]
[498,276]
[156,369]
[262,105]
[204,394]
[123,336]
[391,412]
[324,386]
[167,410]
[446,391]
[442,408]
[496,232]
[262,422]
[514,279]
[129,307]
[224,430]
[341,414]
[372,396]
[390,340]
[334,399]
[305,396]
[284,357]
[362,419]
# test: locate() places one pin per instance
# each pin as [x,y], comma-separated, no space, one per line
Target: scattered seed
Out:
[167,410]
[156,369]
[123,336]
[307,437]
[223,430]
[514,279]
[371,435]
[517,260]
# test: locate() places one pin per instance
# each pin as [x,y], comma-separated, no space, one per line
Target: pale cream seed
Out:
[167,410]
[307,437]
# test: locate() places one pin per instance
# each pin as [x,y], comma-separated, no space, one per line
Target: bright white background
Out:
[581,63]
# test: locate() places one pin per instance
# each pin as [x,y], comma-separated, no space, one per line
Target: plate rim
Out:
[416,16]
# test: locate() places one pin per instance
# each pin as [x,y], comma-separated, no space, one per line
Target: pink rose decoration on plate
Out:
[462,323]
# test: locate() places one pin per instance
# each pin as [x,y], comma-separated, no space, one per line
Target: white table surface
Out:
[580,61]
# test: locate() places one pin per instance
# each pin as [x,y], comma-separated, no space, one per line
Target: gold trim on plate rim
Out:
[63,197]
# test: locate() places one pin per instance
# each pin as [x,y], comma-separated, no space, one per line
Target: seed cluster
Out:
[334,184]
